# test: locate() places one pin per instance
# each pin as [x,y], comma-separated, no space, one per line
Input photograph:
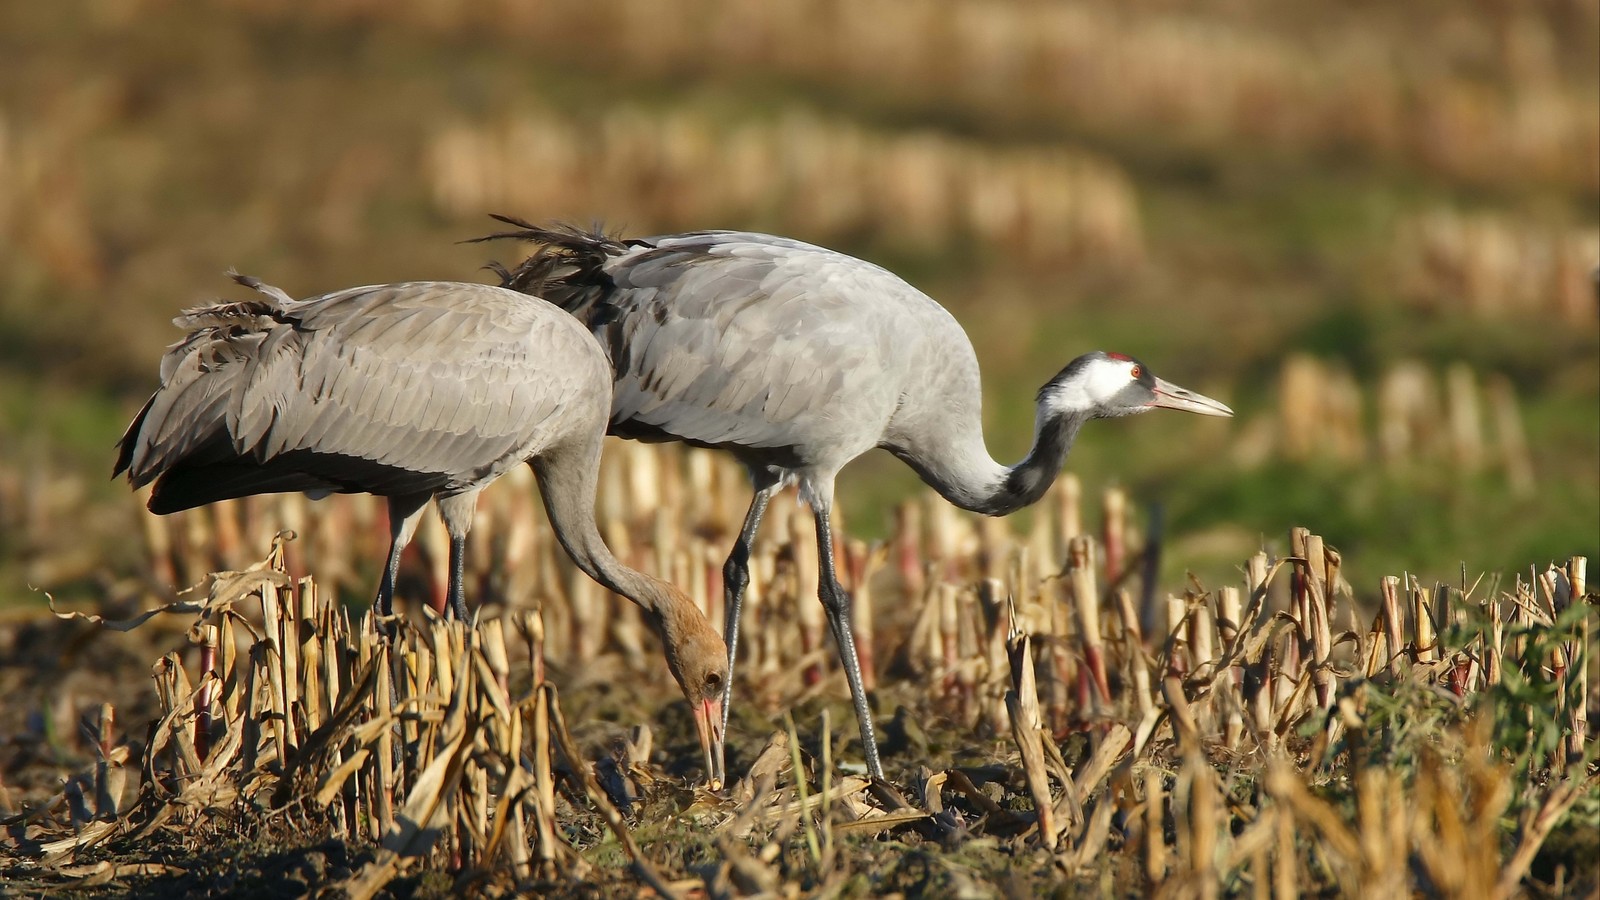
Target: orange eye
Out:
[1133,372]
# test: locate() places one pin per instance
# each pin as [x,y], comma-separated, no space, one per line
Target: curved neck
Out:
[960,468]
[568,480]
[567,483]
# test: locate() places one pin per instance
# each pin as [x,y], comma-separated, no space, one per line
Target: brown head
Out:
[698,659]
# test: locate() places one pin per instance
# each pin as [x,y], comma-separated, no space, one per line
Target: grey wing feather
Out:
[199,375]
[436,379]
[752,341]
[785,353]
[392,374]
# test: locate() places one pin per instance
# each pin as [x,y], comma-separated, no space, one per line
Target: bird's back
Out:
[418,387]
[780,350]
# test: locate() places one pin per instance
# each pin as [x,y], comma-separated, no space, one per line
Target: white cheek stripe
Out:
[1068,398]
[1102,382]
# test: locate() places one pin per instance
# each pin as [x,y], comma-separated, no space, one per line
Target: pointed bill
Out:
[708,722]
[1170,396]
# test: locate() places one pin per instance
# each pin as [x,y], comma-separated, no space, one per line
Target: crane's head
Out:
[1101,385]
[698,659]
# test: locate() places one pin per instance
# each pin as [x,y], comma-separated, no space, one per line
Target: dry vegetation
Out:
[1064,720]
[1417,419]
[1489,266]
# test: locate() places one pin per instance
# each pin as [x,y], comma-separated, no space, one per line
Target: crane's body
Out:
[412,391]
[789,356]
[402,390]
[798,359]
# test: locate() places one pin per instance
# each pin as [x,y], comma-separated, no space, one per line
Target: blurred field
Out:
[1214,190]
[1370,228]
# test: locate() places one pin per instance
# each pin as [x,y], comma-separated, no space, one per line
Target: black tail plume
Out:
[566,256]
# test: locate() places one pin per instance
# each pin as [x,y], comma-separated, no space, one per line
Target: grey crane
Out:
[798,359]
[412,392]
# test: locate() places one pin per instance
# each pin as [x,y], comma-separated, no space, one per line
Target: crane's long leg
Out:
[404,513]
[457,511]
[736,574]
[837,605]
[458,571]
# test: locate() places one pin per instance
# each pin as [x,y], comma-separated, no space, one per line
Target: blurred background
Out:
[1369,227]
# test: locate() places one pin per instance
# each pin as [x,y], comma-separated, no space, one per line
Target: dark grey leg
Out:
[457,511]
[736,576]
[384,605]
[837,605]
[458,572]
[403,512]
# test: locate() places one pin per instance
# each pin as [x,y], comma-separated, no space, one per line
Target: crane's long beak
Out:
[1170,396]
[708,721]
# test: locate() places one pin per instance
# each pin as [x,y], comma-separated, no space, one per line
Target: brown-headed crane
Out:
[412,392]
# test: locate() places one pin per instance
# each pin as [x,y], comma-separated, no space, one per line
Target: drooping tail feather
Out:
[184,421]
[129,439]
[186,485]
[203,474]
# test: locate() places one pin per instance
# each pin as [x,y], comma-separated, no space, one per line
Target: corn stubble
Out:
[1229,741]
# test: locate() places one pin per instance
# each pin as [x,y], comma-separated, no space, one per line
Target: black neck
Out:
[1028,480]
